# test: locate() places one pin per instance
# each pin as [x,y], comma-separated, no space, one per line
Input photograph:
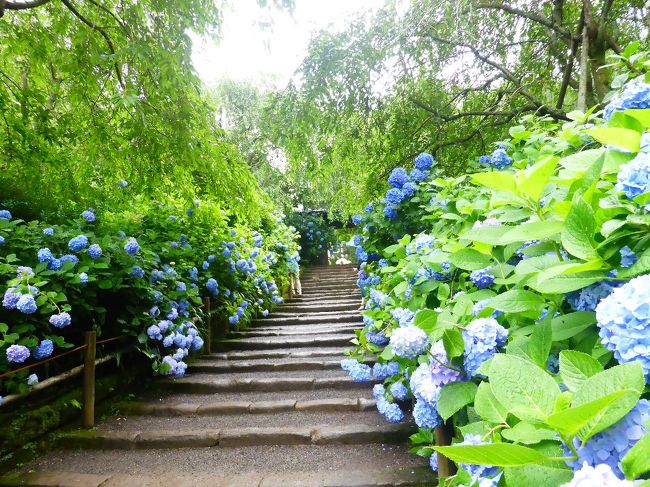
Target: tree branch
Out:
[566,76]
[14,5]
[102,32]
[115,17]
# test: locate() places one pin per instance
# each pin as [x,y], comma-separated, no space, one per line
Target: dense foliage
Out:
[509,306]
[316,236]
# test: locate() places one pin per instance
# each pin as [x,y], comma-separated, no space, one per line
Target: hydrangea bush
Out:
[315,235]
[143,273]
[528,286]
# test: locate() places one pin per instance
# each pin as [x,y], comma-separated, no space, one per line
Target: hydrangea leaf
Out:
[637,461]
[527,434]
[498,180]
[540,342]
[619,378]
[578,234]
[532,181]
[581,161]
[522,387]
[548,476]
[517,301]
[495,454]
[531,231]
[627,139]
[566,282]
[470,259]
[426,319]
[453,342]
[576,367]
[454,396]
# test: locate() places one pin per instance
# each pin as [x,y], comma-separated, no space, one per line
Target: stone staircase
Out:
[270,408]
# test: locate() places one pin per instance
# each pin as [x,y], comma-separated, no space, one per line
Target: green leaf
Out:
[576,367]
[387,353]
[105,284]
[533,180]
[499,180]
[531,231]
[627,139]
[578,234]
[637,461]
[581,161]
[487,406]
[454,396]
[619,378]
[517,301]
[538,475]
[470,259]
[641,266]
[569,421]
[426,319]
[496,454]
[525,389]
[540,342]
[452,339]
[566,282]
[527,434]
[486,235]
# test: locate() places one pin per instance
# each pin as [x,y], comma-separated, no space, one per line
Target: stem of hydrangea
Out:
[569,443]
[443,364]
[496,428]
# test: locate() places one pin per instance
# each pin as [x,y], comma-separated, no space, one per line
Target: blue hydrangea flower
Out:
[2,240]
[394,196]
[389,410]
[441,370]
[361,373]
[424,385]
[368,208]
[55,264]
[94,251]
[17,354]
[634,177]
[131,246]
[43,350]
[482,337]
[383,371]
[123,184]
[586,299]
[83,278]
[399,391]
[44,255]
[137,272]
[610,446]
[26,304]
[398,177]
[78,243]
[377,338]
[390,212]
[424,161]
[69,258]
[10,299]
[197,343]
[378,391]
[153,332]
[426,415]
[419,175]
[409,342]
[624,322]
[480,306]
[636,94]
[409,189]
[500,159]
[477,471]
[265,313]
[433,461]
[599,475]
[481,278]
[628,257]
[189,212]
[61,320]
[32,380]
[24,271]
[403,316]
[357,219]
[5,214]
[88,215]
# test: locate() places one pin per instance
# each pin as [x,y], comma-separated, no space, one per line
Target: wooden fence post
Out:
[207,343]
[89,380]
[444,433]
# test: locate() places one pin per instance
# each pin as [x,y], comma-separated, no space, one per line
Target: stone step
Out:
[292,319]
[305,329]
[315,280]
[354,434]
[224,367]
[298,341]
[330,294]
[199,384]
[245,408]
[316,301]
[341,286]
[374,465]
[318,308]
[322,317]
[286,331]
[276,353]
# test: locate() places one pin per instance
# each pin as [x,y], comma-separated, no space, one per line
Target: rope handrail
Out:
[57,357]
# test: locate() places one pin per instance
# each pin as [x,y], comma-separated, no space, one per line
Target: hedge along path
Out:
[270,407]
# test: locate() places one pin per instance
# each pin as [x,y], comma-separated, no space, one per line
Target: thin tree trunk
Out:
[584,68]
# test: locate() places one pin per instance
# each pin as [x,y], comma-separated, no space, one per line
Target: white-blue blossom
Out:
[595,476]
[409,342]
[634,177]
[635,94]
[426,415]
[482,338]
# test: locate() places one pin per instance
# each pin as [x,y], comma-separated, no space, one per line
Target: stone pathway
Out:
[272,409]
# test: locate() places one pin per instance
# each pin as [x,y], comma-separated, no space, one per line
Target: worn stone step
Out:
[310,301]
[350,434]
[292,319]
[297,329]
[372,465]
[282,331]
[323,288]
[214,407]
[223,367]
[299,341]
[318,307]
[199,384]
[276,353]
[316,281]
[330,295]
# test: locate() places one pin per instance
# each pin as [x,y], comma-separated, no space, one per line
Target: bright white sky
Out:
[269,56]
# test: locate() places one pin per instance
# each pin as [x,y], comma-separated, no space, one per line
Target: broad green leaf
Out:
[487,406]
[641,114]
[453,342]
[426,319]
[581,161]
[470,259]
[522,387]
[532,181]
[454,396]
[536,264]
[527,434]
[619,378]
[641,266]
[627,139]
[499,180]
[540,342]
[578,234]
[576,367]
[538,475]
[387,353]
[637,461]
[531,231]
[496,454]
[569,421]
[566,282]
[517,301]
[485,235]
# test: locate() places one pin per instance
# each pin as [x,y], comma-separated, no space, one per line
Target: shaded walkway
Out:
[272,409]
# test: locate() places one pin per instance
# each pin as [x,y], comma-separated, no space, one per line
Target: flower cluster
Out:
[482,338]
[409,342]
[357,371]
[499,159]
[636,94]
[634,177]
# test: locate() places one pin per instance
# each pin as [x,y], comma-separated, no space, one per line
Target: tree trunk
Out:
[584,65]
